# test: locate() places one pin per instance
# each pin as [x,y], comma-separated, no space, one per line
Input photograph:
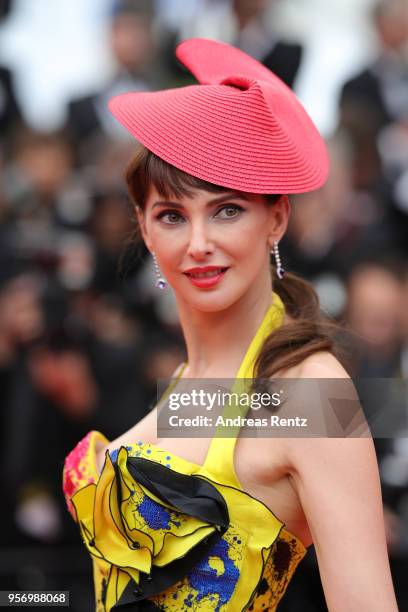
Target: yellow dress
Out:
[167,534]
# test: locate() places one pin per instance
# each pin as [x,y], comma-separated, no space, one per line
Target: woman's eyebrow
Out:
[223,198]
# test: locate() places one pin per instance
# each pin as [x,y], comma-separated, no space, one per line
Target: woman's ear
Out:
[279,218]
[142,224]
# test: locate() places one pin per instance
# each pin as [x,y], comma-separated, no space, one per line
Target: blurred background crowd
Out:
[83,332]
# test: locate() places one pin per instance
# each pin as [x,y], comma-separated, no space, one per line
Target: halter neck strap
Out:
[220,457]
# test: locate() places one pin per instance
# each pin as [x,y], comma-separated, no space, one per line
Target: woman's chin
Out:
[210,300]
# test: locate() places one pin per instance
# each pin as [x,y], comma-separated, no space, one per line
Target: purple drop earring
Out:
[161,283]
[280,271]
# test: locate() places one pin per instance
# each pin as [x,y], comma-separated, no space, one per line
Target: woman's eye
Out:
[171,217]
[231,211]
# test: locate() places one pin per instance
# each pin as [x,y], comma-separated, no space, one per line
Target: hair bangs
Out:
[146,169]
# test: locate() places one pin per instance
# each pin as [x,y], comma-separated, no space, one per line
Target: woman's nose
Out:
[200,242]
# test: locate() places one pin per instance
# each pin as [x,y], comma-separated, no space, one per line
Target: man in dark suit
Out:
[10,115]
[246,24]
[132,47]
[374,113]
[284,60]
[254,30]
[9,108]
[378,95]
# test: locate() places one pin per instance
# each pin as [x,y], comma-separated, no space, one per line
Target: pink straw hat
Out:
[240,128]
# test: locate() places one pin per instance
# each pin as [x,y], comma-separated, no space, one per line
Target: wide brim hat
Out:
[241,127]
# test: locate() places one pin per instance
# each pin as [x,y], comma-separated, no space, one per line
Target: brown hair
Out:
[308,333]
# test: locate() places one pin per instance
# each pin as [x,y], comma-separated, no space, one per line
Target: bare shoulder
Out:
[321,364]
[303,450]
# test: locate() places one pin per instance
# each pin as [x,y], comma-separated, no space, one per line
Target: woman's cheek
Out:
[171,257]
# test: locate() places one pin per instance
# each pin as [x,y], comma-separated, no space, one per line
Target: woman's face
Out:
[232,233]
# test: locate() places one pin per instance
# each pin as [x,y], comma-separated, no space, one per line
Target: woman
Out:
[221,524]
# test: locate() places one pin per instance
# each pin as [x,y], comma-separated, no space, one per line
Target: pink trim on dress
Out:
[76,472]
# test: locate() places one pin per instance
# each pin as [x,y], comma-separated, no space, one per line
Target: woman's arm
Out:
[338,484]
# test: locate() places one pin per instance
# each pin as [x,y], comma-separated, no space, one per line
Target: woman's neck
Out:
[217,341]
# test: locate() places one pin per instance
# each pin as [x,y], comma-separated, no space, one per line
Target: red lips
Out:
[199,270]
[205,281]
